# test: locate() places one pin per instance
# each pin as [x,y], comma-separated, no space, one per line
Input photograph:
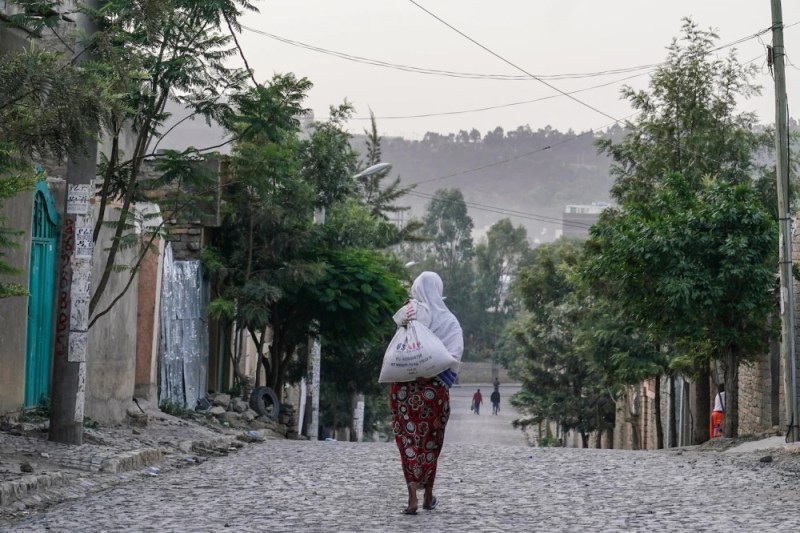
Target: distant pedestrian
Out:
[496,383]
[495,397]
[421,408]
[477,400]
[718,414]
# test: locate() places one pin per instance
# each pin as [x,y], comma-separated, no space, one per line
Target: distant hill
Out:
[536,173]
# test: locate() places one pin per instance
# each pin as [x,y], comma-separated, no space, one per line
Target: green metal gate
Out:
[40,302]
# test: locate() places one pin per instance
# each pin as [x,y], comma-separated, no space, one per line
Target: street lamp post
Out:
[315,346]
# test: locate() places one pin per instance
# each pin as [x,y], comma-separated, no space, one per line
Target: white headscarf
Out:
[428,288]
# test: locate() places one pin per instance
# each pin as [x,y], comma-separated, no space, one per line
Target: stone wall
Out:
[759,385]
[187,240]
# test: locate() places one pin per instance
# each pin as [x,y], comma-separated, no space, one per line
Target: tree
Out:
[260,247]
[449,250]
[687,121]
[619,353]
[10,186]
[688,125]
[46,107]
[381,199]
[558,383]
[497,260]
[274,269]
[695,267]
[449,227]
[149,53]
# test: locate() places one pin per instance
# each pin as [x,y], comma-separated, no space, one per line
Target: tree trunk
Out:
[702,407]
[610,437]
[673,419]
[659,424]
[353,405]
[731,406]
[633,412]
[598,433]
[584,439]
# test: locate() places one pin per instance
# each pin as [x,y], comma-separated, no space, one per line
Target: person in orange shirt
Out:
[718,414]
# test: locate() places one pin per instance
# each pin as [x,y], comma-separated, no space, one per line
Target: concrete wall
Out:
[18,214]
[111,355]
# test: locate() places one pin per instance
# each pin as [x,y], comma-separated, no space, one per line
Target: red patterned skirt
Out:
[420,410]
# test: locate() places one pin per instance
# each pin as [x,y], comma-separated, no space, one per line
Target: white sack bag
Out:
[415,352]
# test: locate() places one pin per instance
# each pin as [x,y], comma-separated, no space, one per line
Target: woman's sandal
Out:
[433,504]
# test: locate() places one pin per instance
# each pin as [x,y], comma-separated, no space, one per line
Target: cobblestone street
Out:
[482,486]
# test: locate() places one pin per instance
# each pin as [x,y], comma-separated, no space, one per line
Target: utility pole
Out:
[74,285]
[314,365]
[788,357]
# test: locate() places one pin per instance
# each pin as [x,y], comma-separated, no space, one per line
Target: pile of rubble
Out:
[236,413]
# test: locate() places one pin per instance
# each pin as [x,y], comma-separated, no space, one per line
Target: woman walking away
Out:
[421,408]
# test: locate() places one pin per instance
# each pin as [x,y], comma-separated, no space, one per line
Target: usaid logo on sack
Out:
[406,346]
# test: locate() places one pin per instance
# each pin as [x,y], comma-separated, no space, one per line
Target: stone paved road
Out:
[295,486]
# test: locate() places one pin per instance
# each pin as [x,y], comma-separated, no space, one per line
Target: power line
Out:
[473,75]
[501,106]
[564,141]
[503,59]
[443,72]
[563,93]
[504,211]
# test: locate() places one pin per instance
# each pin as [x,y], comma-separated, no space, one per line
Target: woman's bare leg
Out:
[413,503]
[428,499]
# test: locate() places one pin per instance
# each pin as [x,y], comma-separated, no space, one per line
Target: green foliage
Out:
[357,295]
[172,408]
[329,162]
[377,415]
[549,441]
[497,260]
[273,267]
[46,108]
[10,186]
[696,267]
[449,251]
[559,382]
[148,53]
[687,121]
[40,412]
[687,260]
[380,198]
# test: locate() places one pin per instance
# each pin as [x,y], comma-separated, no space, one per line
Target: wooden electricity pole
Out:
[788,357]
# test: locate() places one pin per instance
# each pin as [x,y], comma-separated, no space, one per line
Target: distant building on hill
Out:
[577,219]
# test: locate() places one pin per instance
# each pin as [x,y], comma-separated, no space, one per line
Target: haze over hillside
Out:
[525,175]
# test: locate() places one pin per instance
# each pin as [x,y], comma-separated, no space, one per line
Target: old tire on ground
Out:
[264,402]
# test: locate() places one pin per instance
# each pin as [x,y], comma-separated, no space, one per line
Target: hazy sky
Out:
[544,37]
